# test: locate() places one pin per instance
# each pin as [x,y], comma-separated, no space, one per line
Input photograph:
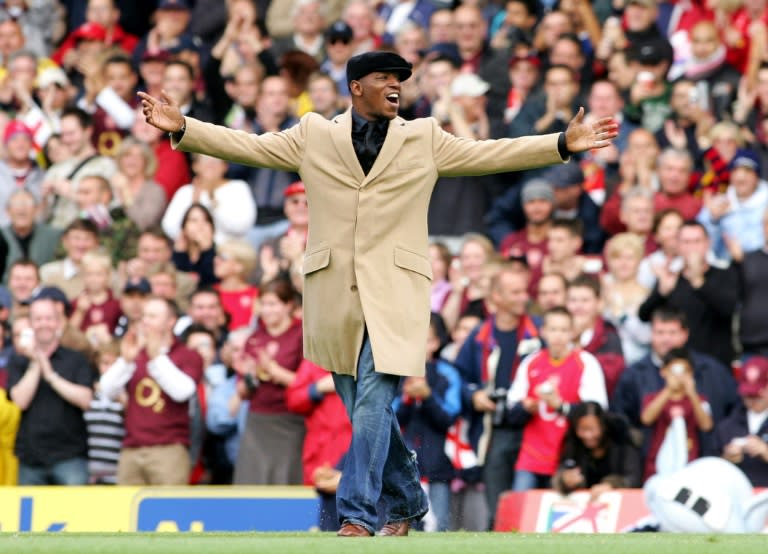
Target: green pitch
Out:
[417,543]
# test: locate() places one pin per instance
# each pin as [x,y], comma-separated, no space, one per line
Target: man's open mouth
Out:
[393,98]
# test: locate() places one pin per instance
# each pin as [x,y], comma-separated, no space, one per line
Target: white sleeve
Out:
[115,378]
[592,385]
[235,210]
[520,385]
[174,213]
[174,382]
[117,108]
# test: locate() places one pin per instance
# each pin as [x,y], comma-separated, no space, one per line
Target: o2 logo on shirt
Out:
[149,395]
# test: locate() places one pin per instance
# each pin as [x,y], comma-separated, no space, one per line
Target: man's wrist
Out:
[562,147]
[177,135]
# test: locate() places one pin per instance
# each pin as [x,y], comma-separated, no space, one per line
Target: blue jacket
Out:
[425,423]
[713,380]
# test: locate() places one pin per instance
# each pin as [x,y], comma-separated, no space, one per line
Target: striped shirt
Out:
[104,422]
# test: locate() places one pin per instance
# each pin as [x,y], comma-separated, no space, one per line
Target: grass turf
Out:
[420,543]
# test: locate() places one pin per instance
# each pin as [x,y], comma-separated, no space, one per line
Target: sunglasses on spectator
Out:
[339,39]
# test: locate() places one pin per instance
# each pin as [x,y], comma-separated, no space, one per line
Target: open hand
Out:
[581,136]
[163,113]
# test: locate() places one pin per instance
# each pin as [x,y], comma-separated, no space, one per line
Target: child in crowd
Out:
[104,423]
[96,311]
[546,386]
[234,262]
[564,241]
[678,414]
[426,408]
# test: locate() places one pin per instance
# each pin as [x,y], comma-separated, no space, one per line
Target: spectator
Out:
[441,260]
[132,305]
[71,337]
[51,385]
[753,334]
[737,214]
[598,453]
[245,92]
[80,237]
[569,50]
[488,362]
[308,18]
[649,95]
[296,67]
[468,289]
[705,292]
[162,280]
[546,386]
[553,289]
[270,451]
[677,415]
[205,309]
[61,180]
[171,20]
[135,188]
[669,330]
[666,225]
[160,376]
[340,46]
[426,409]
[514,24]
[675,167]
[96,311]
[26,238]
[324,95]
[23,281]
[17,169]
[727,141]
[524,73]
[226,415]
[229,201]
[688,122]
[328,435]
[105,425]
[636,216]
[591,332]
[563,246]
[179,81]
[233,263]
[458,335]
[623,295]
[530,243]
[360,15]
[194,249]
[285,253]
[743,436]
[171,169]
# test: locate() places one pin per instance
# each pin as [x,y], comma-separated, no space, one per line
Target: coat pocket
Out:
[316,261]
[413,262]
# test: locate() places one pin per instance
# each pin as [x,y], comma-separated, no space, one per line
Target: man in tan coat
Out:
[369,175]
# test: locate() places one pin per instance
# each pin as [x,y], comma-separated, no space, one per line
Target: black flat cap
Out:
[369,62]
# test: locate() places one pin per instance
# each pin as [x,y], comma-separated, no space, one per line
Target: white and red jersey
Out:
[577,378]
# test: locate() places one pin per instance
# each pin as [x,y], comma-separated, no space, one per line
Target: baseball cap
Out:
[651,52]
[447,51]
[530,57]
[754,376]
[564,175]
[141,286]
[339,30]
[538,189]
[51,293]
[50,76]
[746,158]
[15,127]
[469,84]
[90,31]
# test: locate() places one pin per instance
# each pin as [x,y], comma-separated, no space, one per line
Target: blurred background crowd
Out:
[588,319]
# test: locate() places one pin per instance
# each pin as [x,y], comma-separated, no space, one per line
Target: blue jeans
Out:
[379,470]
[66,472]
[527,480]
[440,504]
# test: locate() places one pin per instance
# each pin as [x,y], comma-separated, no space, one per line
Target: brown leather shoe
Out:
[395,529]
[353,530]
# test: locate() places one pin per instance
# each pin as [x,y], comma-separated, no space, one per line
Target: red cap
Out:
[14,127]
[754,376]
[90,31]
[530,57]
[294,188]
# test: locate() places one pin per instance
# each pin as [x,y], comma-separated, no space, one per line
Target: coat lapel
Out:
[341,134]
[390,148]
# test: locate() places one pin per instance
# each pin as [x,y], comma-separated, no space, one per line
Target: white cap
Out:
[469,84]
[50,76]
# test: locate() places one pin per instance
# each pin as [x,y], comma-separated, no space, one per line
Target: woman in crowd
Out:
[440,258]
[141,197]
[597,453]
[623,294]
[271,447]
[194,249]
[666,225]
[468,282]
[230,202]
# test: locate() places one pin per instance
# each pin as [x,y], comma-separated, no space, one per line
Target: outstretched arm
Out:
[163,113]
[581,136]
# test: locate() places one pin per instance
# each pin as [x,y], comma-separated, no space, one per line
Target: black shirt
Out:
[367,139]
[51,429]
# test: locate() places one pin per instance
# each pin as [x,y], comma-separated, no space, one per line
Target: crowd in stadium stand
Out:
[587,318]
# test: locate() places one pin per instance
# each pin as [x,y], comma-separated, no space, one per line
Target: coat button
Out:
[353,288]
